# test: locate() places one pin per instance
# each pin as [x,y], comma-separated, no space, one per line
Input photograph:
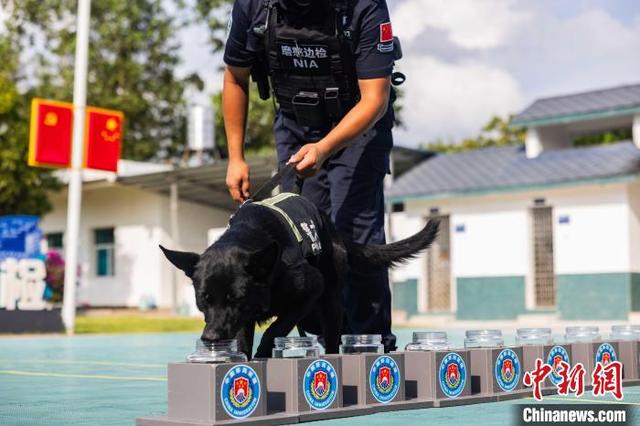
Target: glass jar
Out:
[361,343]
[217,352]
[534,336]
[296,347]
[625,332]
[483,339]
[428,341]
[581,334]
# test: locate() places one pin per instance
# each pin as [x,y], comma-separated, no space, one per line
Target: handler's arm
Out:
[235,94]
[374,100]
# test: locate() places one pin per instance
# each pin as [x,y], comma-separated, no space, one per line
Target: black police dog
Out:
[241,279]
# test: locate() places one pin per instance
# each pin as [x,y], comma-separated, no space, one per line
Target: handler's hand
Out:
[238,180]
[309,158]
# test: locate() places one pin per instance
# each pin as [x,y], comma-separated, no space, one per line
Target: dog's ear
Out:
[183,260]
[262,262]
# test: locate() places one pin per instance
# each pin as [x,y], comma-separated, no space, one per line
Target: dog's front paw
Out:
[263,353]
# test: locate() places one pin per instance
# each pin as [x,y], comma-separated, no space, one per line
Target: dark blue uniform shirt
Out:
[370,29]
[350,185]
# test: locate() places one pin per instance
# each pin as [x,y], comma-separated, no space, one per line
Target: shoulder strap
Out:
[342,9]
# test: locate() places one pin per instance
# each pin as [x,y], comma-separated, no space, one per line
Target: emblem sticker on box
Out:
[452,375]
[557,354]
[606,354]
[384,379]
[320,384]
[507,370]
[240,391]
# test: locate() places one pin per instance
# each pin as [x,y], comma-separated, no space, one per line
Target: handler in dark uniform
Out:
[329,66]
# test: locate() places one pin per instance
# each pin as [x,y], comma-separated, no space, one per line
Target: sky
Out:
[467,60]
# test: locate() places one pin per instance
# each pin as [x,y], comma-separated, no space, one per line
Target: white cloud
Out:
[470,24]
[467,60]
[449,101]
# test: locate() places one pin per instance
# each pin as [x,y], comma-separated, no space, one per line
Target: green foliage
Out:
[23,189]
[215,14]
[132,60]
[136,324]
[603,138]
[259,136]
[497,132]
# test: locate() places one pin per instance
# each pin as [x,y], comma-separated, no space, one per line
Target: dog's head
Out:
[231,285]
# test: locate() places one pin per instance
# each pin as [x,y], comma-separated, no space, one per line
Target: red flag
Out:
[103,138]
[50,133]
[386,33]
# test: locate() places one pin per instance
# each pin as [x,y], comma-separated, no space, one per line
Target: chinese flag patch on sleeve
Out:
[386,33]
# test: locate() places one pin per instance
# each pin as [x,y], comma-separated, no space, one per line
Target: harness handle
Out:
[297,187]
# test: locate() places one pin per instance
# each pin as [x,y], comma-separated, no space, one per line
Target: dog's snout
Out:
[209,335]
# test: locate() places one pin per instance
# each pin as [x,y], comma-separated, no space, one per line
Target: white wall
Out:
[404,225]
[596,238]
[493,243]
[633,197]
[141,222]
[602,235]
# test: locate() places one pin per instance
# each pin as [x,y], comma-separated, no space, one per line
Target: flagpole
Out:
[72,242]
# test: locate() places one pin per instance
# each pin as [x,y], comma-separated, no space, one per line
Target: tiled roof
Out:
[501,168]
[622,99]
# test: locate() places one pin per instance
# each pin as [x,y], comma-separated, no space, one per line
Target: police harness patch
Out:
[303,58]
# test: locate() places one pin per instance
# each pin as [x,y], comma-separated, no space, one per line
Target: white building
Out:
[546,228]
[126,216]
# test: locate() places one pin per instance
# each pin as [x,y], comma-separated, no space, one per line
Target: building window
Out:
[105,247]
[54,240]
[542,241]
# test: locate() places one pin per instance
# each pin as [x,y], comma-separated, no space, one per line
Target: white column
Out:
[175,237]
[533,143]
[636,130]
[75,173]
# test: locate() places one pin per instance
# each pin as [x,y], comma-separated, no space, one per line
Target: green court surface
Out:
[112,379]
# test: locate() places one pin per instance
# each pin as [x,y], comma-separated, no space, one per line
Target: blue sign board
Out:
[19,237]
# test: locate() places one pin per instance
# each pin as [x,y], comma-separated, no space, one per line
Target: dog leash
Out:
[267,188]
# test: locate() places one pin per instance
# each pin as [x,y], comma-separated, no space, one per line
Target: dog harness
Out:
[300,216]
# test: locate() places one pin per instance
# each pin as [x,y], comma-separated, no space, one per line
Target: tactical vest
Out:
[300,216]
[311,70]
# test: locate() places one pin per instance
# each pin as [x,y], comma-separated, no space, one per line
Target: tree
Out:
[497,132]
[133,56]
[23,189]
[215,14]
[603,138]
[259,136]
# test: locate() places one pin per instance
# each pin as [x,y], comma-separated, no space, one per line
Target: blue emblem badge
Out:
[606,354]
[384,379]
[557,354]
[452,375]
[240,391]
[507,370]
[320,384]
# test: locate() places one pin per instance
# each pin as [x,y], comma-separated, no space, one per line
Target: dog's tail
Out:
[362,258]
